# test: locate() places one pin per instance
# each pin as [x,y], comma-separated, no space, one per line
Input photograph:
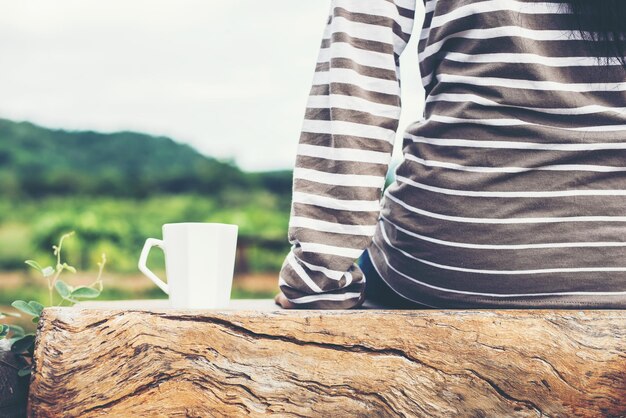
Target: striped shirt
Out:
[512,187]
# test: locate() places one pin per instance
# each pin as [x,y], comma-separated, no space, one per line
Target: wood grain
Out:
[116,362]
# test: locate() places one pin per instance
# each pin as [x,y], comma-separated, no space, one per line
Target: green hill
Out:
[36,161]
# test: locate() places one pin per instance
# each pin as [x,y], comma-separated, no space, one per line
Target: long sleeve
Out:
[344,151]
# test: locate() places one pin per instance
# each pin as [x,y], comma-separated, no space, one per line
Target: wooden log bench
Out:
[119,359]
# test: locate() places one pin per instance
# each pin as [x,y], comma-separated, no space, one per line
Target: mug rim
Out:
[222,224]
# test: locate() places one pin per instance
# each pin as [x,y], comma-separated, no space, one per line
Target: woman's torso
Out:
[512,191]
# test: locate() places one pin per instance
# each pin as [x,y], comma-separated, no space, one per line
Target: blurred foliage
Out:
[115,190]
[119,226]
[36,162]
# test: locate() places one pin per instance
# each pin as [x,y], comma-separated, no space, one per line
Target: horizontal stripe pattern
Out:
[512,189]
[345,146]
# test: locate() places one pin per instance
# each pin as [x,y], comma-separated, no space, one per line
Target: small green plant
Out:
[22,343]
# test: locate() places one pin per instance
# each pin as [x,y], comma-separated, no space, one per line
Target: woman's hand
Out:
[281,300]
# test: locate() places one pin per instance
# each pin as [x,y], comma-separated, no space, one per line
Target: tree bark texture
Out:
[367,363]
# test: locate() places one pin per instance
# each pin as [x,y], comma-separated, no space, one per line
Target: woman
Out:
[512,190]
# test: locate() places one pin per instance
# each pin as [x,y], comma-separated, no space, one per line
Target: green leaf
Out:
[38,307]
[12,340]
[25,307]
[85,292]
[17,330]
[35,319]
[23,344]
[5,314]
[34,264]
[4,330]
[24,371]
[63,289]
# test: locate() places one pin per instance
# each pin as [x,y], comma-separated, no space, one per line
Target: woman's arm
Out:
[344,152]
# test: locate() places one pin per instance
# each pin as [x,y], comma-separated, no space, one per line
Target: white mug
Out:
[199,263]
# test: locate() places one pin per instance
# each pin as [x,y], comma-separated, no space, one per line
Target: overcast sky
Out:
[229,77]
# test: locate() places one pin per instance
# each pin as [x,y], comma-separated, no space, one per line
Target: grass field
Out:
[119,227]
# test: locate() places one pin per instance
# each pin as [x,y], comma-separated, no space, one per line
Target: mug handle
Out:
[143,258]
